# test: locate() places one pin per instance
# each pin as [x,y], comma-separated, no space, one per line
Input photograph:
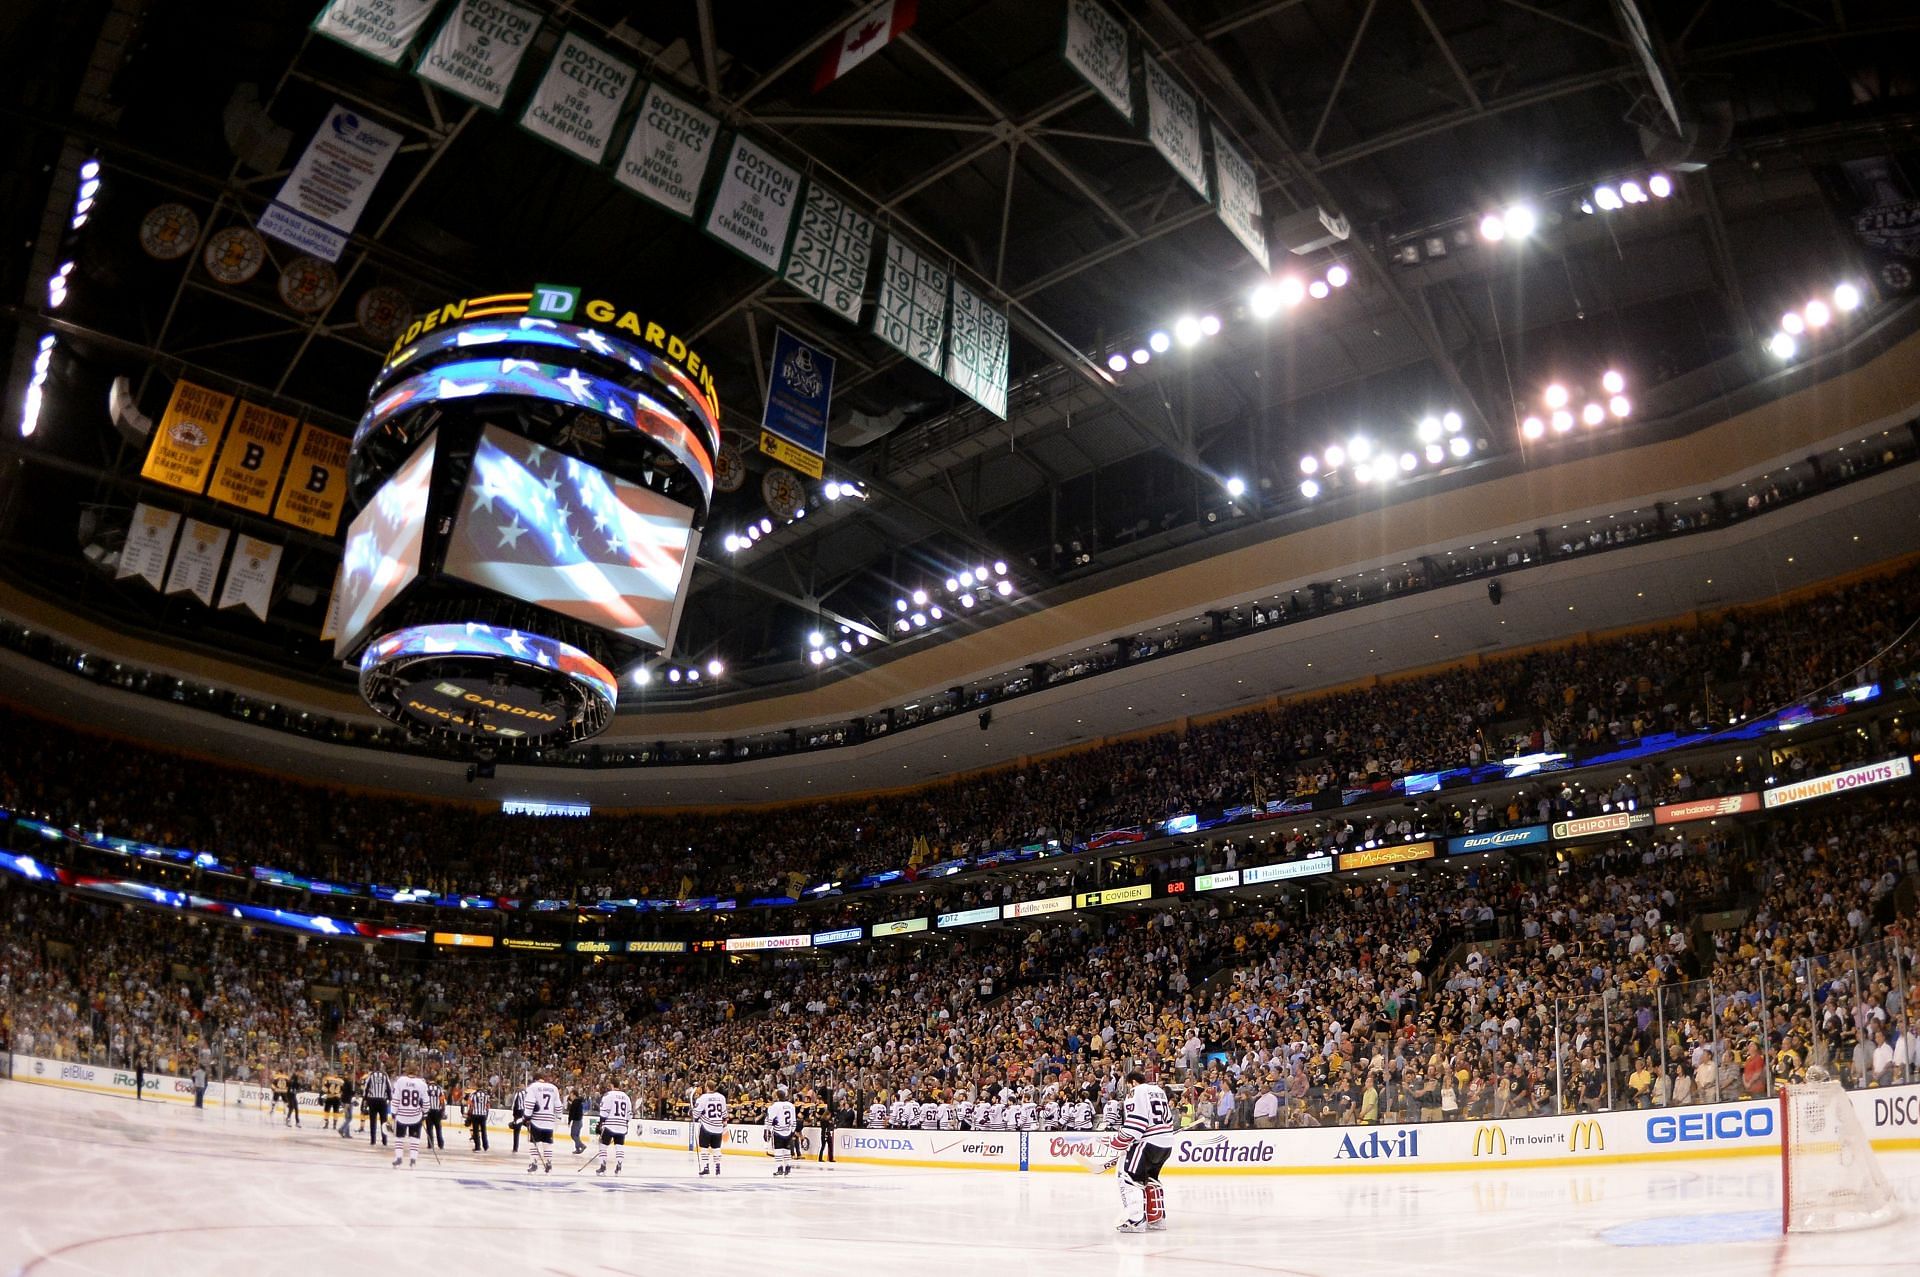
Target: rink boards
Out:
[1890,1116]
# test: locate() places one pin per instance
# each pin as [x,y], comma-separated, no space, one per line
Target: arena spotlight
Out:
[966,600]
[673,676]
[1660,185]
[1593,414]
[1117,362]
[999,567]
[1359,447]
[715,668]
[1318,290]
[1186,330]
[1435,454]
[1612,382]
[1782,346]
[1562,421]
[1209,325]
[830,653]
[1309,464]
[1533,428]
[816,657]
[919,620]
[1158,342]
[1003,588]
[1519,221]
[1140,355]
[846,645]
[753,532]
[1264,302]
[899,605]
[1459,446]
[953,583]
[1792,324]
[902,625]
[1334,456]
[1236,486]
[864,640]
[1363,473]
[1309,489]
[642,676]
[816,638]
[980,573]
[1556,396]
[1493,228]
[693,675]
[1632,193]
[935,613]
[766,526]
[1451,423]
[832,490]
[919,598]
[1817,314]
[1619,406]
[1408,461]
[1338,275]
[1606,198]
[35,396]
[1846,298]
[1292,291]
[1429,429]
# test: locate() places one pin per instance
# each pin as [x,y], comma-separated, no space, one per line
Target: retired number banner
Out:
[149,541]
[753,204]
[977,350]
[1173,125]
[250,572]
[182,450]
[1097,48]
[380,29]
[577,101]
[478,48]
[196,564]
[252,457]
[910,312]
[316,486]
[1239,196]
[668,151]
[832,248]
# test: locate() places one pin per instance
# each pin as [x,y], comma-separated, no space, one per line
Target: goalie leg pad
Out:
[1156,1202]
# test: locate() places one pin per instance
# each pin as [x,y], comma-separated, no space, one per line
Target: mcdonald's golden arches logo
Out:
[1489,1141]
[1587,1132]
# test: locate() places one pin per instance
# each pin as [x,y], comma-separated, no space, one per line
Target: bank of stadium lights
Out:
[1514,222]
[646,676]
[967,589]
[1438,439]
[1811,320]
[1288,292]
[89,191]
[1562,407]
[823,650]
[57,286]
[30,406]
[1613,197]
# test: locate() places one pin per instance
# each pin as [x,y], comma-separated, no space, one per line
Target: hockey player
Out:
[376,1089]
[518,1120]
[1078,1114]
[1142,1146]
[1020,1115]
[279,1092]
[1110,1116]
[476,1110]
[996,1114]
[330,1100]
[409,1111]
[1048,1118]
[905,1114]
[944,1118]
[616,1111]
[541,1108]
[877,1116]
[930,1112]
[710,1112]
[782,1125]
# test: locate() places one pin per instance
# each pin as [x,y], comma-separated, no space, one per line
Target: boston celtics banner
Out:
[149,541]
[196,563]
[1173,124]
[378,28]
[753,204]
[977,350]
[668,150]
[1239,196]
[182,450]
[250,572]
[1097,48]
[910,312]
[832,248]
[578,99]
[478,48]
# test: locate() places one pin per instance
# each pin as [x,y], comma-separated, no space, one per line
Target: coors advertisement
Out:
[1877,199]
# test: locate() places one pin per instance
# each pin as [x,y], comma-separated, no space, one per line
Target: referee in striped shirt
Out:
[375,1092]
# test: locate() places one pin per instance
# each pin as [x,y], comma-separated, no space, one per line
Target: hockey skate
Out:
[1130,1226]
[1157,1226]
[396,1161]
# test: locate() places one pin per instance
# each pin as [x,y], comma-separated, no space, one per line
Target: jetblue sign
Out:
[1699,1128]
[1496,840]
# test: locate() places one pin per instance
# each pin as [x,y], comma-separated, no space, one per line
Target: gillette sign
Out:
[1494,841]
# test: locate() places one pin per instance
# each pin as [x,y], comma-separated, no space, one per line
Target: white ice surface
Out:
[100,1185]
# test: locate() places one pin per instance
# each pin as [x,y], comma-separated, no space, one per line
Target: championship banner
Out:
[1239,197]
[380,29]
[1173,125]
[977,350]
[250,572]
[252,457]
[578,99]
[1096,47]
[330,623]
[478,48]
[910,311]
[668,151]
[182,449]
[832,248]
[196,564]
[753,204]
[1881,204]
[316,486]
[793,428]
[322,199]
[149,541]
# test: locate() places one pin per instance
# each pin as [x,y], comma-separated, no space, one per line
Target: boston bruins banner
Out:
[250,572]
[183,443]
[316,486]
[252,457]
[149,541]
[196,564]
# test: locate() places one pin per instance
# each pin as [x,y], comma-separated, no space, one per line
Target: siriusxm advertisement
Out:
[382,555]
[555,532]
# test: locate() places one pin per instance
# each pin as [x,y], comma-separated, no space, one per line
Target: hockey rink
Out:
[99,1185]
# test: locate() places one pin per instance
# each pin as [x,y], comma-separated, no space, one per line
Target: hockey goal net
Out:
[1831,1178]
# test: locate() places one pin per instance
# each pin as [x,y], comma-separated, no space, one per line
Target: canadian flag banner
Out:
[868,35]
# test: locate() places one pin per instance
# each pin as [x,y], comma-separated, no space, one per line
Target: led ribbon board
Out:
[474,681]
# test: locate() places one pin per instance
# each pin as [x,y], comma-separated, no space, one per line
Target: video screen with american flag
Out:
[553,531]
[382,554]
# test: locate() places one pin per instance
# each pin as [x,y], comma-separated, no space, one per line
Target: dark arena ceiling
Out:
[973,138]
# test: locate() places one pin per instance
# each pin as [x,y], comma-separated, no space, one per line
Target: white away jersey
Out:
[944,1119]
[876,1116]
[540,1105]
[409,1099]
[781,1119]
[930,1116]
[1110,1115]
[710,1110]
[905,1115]
[1147,1112]
[616,1110]
[1079,1117]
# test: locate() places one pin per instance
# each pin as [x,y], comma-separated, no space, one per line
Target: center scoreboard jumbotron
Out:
[533,471]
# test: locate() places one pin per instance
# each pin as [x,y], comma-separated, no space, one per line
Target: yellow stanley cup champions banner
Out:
[183,443]
[251,458]
[316,486]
